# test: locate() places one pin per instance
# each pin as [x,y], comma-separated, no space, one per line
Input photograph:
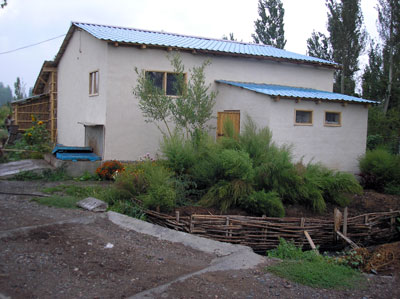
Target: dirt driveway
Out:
[58,253]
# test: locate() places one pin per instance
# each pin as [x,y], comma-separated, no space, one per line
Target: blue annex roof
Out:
[295,92]
[164,39]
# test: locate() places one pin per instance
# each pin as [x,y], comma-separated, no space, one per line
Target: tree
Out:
[318,45]
[389,31]
[372,85]
[5,94]
[269,28]
[3,4]
[347,39]
[191,108]
[19,89]
[230,37]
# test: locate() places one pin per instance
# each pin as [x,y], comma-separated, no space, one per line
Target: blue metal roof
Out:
[295,92]
[155,38]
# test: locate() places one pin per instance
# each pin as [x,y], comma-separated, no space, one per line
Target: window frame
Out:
[303,124]
[94,90]
[333,124]
[164,80]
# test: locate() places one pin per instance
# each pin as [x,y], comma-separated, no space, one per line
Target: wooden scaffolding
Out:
[42,105]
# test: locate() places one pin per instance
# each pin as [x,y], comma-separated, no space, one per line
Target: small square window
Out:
[172,81]
[304,117]
[333,118]
[94,83]
[157,78]
[167,82]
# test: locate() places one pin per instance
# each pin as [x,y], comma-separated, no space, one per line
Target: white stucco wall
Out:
[127,134]
[84,54]
[336,147]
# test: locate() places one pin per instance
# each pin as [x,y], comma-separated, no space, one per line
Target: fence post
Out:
[345,215]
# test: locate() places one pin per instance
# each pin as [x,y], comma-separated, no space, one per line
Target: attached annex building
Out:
[290,93]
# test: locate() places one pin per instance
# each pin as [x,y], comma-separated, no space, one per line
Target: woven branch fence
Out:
[263,233]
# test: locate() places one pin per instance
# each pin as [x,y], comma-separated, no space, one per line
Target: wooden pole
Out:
[177,216]
[392,221]
[310,241]
[345,215]
[352,244]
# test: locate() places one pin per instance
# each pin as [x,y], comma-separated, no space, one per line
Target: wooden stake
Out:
[345,214]
[352,244]
[392,221]
[310,241]
[177,216]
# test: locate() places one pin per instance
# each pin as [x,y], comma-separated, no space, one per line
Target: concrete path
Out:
[12,168]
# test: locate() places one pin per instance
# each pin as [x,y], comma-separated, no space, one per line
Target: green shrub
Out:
[128,208]
[226,194]
[261,203]
[132,179]
[289,251]
[151,182]
[186,190]
[278,173]
[179,153]
[255,142]
[235,165]
[159,197]
[380,169]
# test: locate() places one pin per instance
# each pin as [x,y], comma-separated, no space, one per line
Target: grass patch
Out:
[66,196]
[309,268]
[48,175]
[318,274]
[58,201]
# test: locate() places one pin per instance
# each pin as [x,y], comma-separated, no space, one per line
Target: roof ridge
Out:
[180,34]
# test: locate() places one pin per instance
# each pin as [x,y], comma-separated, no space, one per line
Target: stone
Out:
[92,204]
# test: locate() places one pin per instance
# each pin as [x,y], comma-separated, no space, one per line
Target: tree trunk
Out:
[389,86]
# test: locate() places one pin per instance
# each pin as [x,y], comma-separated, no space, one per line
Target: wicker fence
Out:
[263,233]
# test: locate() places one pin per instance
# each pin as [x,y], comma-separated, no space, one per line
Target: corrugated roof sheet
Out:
[138,36]
[295,92]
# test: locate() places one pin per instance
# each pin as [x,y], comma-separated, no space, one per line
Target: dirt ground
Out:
[78,254]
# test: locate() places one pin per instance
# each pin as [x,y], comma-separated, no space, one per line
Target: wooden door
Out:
[234,116]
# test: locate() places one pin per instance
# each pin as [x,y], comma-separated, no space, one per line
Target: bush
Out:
[235,165]
[179,152]
[256,143]
[278,173]
[225,194]
[109,169]
[159,197]
[380,170]
[261,203]
[151,182]
[132,179]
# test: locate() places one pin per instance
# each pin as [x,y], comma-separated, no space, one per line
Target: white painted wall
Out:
[84,54]
[336,147]
[128,136]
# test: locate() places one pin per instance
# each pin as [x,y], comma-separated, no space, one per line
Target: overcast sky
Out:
[25,22]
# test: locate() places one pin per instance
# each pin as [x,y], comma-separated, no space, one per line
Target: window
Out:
[165,81]
[333,118]
[303,117]
[94,83]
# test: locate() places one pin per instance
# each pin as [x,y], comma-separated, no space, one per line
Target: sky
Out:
[26,22]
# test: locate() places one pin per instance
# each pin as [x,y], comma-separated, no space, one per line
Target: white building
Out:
[290,93]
